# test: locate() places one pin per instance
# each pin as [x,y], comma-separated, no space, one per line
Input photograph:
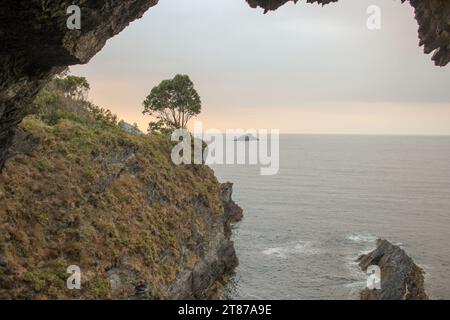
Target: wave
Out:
[361,237]
[283,252]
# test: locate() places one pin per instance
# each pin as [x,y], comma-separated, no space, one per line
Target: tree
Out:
[73,87]
[65,98]
[173,103]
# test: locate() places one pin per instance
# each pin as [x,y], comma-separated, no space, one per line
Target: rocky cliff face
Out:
[401,278]
[218,259]
[114,204]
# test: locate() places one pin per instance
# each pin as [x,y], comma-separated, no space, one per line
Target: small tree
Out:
[65,97]
[73,87]
[173,103]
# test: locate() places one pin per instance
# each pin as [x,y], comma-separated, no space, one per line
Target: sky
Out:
[301,69]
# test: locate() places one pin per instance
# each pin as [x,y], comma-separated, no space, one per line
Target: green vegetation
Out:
[88,193]
[173,103]
[65,98]
[73,87]
[102,288]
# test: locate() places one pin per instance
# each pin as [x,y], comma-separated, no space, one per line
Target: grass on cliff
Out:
[79,190]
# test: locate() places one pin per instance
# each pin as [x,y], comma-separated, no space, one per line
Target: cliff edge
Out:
[114,204]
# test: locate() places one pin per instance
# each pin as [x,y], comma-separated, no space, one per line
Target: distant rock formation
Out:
[401,278]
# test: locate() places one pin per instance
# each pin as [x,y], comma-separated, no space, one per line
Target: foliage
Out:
[89,193]
[73,87]
[173,103]
[65,98]
[159,127]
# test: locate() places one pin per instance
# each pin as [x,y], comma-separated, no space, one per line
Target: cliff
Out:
[401,278]
[115,205]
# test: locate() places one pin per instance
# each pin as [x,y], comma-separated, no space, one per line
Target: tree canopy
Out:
[172,103]
[65,98]
[73,87]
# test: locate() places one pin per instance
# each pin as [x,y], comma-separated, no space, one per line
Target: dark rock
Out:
[401,278]
[216,261]
[275,4]
[23,143]
[2,261]
[232,211]
[218,256]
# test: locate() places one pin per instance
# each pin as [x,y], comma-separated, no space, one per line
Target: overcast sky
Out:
[301,69]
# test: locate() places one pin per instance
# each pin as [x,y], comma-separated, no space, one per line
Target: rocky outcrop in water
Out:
[401,278]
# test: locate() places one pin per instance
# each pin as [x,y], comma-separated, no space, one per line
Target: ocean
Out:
[333,196]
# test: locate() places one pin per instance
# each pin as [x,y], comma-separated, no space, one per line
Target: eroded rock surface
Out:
[401,278]
[219,259]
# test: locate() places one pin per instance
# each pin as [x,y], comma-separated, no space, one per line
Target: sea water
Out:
[332,198]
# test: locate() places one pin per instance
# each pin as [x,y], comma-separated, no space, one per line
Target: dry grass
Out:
[100,199]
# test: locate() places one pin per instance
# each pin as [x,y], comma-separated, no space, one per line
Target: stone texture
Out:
[216,261]
[401,278]
[218,256]
[433,17]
